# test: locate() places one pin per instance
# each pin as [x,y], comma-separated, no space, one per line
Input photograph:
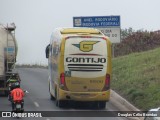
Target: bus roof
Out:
[80,30]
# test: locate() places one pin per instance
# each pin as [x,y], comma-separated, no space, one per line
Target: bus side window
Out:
[47,50]
[59,48]
[55,50]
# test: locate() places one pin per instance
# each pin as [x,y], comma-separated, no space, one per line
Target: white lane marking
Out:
[36,104]
[47,119]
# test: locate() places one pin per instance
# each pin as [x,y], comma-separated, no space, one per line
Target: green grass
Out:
[137,78]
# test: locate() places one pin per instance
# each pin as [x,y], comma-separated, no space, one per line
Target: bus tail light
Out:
[107,82]
[62,81]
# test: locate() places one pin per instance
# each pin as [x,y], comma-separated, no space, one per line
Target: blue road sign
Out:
[97,21]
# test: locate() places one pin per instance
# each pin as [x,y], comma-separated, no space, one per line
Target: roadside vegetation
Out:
[136,69]
[136,41]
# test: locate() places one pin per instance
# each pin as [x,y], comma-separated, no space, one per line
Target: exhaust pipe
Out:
[68,97]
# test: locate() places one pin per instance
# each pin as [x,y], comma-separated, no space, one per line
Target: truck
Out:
[8,53]
[79,63]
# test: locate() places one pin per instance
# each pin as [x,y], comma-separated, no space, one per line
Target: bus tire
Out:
[56,100]
[51,96]
[61,103]
[58,103]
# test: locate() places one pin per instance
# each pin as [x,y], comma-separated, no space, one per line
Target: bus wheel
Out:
[61,103]
[101,104]
[51,97]
[58,103]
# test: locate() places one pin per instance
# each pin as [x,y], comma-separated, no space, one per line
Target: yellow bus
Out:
[79,63]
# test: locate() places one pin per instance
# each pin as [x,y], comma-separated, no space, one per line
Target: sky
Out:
[36,19]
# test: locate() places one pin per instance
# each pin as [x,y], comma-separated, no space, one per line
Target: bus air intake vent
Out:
[85,67]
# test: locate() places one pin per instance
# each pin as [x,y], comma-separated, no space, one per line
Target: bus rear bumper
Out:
[84,96]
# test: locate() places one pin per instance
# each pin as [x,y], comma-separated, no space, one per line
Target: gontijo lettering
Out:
[85,60]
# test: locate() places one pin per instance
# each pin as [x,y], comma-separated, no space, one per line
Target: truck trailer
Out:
[8,53]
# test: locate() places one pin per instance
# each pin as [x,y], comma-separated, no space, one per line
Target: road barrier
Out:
[123,105]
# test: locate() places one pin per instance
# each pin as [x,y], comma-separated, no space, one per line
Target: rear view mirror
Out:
[25,91]
[47,51]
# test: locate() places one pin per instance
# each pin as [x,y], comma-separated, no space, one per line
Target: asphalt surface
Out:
[35,81]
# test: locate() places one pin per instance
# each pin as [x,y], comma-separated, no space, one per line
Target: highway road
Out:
[35,81]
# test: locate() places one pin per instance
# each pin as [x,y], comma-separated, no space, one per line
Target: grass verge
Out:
[136,77]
